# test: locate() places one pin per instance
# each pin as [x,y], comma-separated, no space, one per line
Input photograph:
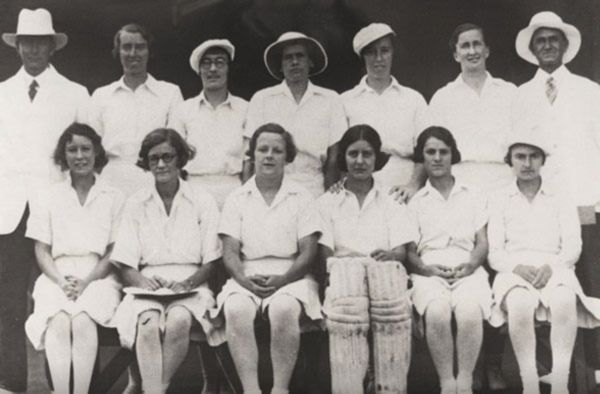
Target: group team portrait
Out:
[320,196]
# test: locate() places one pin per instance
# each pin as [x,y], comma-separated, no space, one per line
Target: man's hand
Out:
[403,193]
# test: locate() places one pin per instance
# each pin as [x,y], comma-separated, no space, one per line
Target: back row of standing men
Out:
[481,111]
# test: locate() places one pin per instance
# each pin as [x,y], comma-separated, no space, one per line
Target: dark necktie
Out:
[33,88]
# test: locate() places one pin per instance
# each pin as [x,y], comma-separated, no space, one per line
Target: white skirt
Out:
[474,287]
[304,290]
[99,299]
[198,304]
[219,186]
[588,308]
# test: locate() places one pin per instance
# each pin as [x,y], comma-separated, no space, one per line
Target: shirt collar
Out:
[184,191]
[151,84]
[489,81]
[100,186]
[42,78]
[363,86]
[202,100]
[559,74]
[458,187]
[286,189]
[373,194]
[513,190]
[284,89]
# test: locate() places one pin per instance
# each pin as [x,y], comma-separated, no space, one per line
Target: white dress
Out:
[543,231]
[269,237]
[170,246]
[78,235]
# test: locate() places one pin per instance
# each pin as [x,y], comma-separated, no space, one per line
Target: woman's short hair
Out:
[361,132]
[460,29]
[508,157]
[184,151]
[132,28]
[441,134]
[290,146]
[82,130]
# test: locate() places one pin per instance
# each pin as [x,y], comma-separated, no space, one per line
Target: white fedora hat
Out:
[370,33]
[35,23]
[316,53]
[549,20]
[197,53]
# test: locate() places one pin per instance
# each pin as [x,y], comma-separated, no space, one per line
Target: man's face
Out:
[295,63]
[35,52]
[549,46]
[378,57]
[133,53]
[214,67]
[526,162]
[471,51]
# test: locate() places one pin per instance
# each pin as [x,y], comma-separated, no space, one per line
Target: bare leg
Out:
[563,306]
[58,351]
[469,336]
[240,312]
[520,305]
[148,351]
[438,317]
[284,315]
[85,349]
[176,341]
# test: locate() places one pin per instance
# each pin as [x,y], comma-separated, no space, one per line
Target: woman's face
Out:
[270,155]
[360,160]
[162,161]
[80,155]
[378,58]
[437,158]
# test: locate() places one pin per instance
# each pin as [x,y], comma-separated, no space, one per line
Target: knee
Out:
[179,319]
[60,325]
[284,312]
[468,313]
[83,326]
[438,312]
[148,325]
[520,304]
[239,311]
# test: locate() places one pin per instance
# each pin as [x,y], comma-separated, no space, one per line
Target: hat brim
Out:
[524,38]
[530,144]
[197,54]
[60,39]
[316,53]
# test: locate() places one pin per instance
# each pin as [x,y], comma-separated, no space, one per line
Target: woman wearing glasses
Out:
[167,242]
[213,122]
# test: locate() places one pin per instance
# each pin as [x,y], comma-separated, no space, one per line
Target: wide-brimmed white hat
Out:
[35,23]
[549,20]
[370,33]
[197,53]
[273,53]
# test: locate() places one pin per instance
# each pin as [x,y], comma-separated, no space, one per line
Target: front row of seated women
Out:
[270,230]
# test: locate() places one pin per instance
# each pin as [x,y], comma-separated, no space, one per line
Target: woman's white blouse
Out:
[548,225]
[148,236]
[350,230]
[448,223]
[58,218]
[269,231]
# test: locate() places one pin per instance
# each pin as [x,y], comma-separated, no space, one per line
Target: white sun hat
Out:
[197,53]
[273,53]
[549,20]
[35,23]
[370,33]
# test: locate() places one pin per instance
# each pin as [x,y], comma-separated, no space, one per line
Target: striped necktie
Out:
[551,90]
[33,88]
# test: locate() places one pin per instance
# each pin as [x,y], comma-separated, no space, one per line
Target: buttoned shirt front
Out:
[149,236]
[548,225]
[71,228]
[572,127]
[351,230]
[216,134]
[29,132]
[448,223]
[480,123]
[316,123]
[398,114]
[123,117]
[269,230]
